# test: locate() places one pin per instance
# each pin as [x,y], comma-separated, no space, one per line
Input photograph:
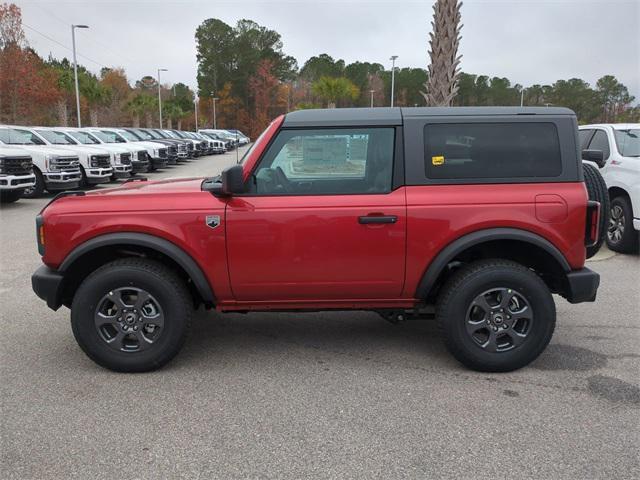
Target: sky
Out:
[528,41]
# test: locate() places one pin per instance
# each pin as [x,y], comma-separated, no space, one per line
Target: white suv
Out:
[16,173]
[620,145]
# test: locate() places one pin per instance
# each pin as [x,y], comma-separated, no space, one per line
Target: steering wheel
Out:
[282,179]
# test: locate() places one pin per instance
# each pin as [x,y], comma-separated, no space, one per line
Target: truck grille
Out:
[182,147]
[100,161]
[143,156]
[162,152]
[173,150]
[67,164]
[17,166]
[125,159]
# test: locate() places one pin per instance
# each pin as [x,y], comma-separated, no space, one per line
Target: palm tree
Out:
[333,90]
[442,83]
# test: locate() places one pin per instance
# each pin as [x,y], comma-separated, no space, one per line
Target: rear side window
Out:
[492,150]
[584,136]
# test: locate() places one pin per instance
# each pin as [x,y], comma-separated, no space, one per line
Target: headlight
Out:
[94,161]
[51,161]
[156,153]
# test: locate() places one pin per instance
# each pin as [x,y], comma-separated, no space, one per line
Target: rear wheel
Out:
[495,315]
[36,190]
[621,236]
[597,191]
[131,315]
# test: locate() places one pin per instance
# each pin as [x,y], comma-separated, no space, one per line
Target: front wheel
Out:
[495,315]
[621,236]
[37,189]
[131,315]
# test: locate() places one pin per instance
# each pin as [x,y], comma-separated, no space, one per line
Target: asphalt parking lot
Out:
[330,395]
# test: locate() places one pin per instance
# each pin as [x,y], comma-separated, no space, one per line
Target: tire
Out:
[38,189]
[597,190]
[517,344]
[151,345]
[621,236]
[10,196]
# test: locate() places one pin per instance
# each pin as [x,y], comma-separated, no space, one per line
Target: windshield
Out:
[109,137]
[12,136]
[129,136]
[152,134]
[56,138]
[628,142]
[257,142]
[142,134]
[85,138]
[160,134]
[170,134]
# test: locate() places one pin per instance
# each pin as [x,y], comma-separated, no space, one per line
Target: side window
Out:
[600,142]
[327,161]
[584,136]
[492,150]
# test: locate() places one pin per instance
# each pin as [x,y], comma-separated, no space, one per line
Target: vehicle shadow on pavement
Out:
[358,334]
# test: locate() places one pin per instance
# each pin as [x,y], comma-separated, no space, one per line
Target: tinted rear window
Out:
[492,150]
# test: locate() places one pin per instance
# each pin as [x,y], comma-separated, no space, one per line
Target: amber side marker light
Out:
[40,234]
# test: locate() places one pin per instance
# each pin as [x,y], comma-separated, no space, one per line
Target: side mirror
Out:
[595,156]
[232,182]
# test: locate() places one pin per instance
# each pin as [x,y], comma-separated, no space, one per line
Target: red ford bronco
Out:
[476,214]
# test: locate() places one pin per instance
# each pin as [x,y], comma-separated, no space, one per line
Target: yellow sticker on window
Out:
[439,160]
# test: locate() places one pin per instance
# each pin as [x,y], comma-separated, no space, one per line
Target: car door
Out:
[321,220]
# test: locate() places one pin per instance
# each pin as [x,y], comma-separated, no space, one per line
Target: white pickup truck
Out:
[140,158]
[158,154]
[55,169]
[620,145]
[16,173]
[120,155]
[95,163]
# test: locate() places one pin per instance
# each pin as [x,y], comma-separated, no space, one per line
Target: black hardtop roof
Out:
[340,117]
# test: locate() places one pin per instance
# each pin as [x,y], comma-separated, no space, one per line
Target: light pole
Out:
[195,104]
[522,97]
[213,100]
[393,75]
[75,69]
[159,97]
[371,92]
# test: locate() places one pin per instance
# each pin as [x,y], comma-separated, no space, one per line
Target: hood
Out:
[164,195]
[169,185]
[146,144]
[115,148]
[83,148]
[44,150]
[12,152]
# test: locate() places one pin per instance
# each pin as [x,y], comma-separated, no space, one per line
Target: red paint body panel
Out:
[312,247]
[310,252]
[439,214]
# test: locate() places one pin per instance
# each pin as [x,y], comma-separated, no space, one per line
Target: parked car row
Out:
[38,159]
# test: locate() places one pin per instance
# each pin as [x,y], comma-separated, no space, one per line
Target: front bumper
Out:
[47,284]
[17,182]
[121,171]
[139,166]
[159,162]
[582,285]
[98,175]
[62,180]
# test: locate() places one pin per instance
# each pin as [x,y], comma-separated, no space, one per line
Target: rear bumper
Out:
[582,286]
[46,284]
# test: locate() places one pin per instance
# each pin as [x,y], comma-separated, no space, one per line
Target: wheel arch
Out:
[507,243]
[82,260]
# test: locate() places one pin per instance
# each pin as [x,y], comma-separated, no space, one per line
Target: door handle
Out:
[368,219]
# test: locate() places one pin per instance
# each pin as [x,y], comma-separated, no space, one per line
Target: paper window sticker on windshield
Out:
[437,160]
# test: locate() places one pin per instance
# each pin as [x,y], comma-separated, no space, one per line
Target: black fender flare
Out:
[437,266]
[177,254]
